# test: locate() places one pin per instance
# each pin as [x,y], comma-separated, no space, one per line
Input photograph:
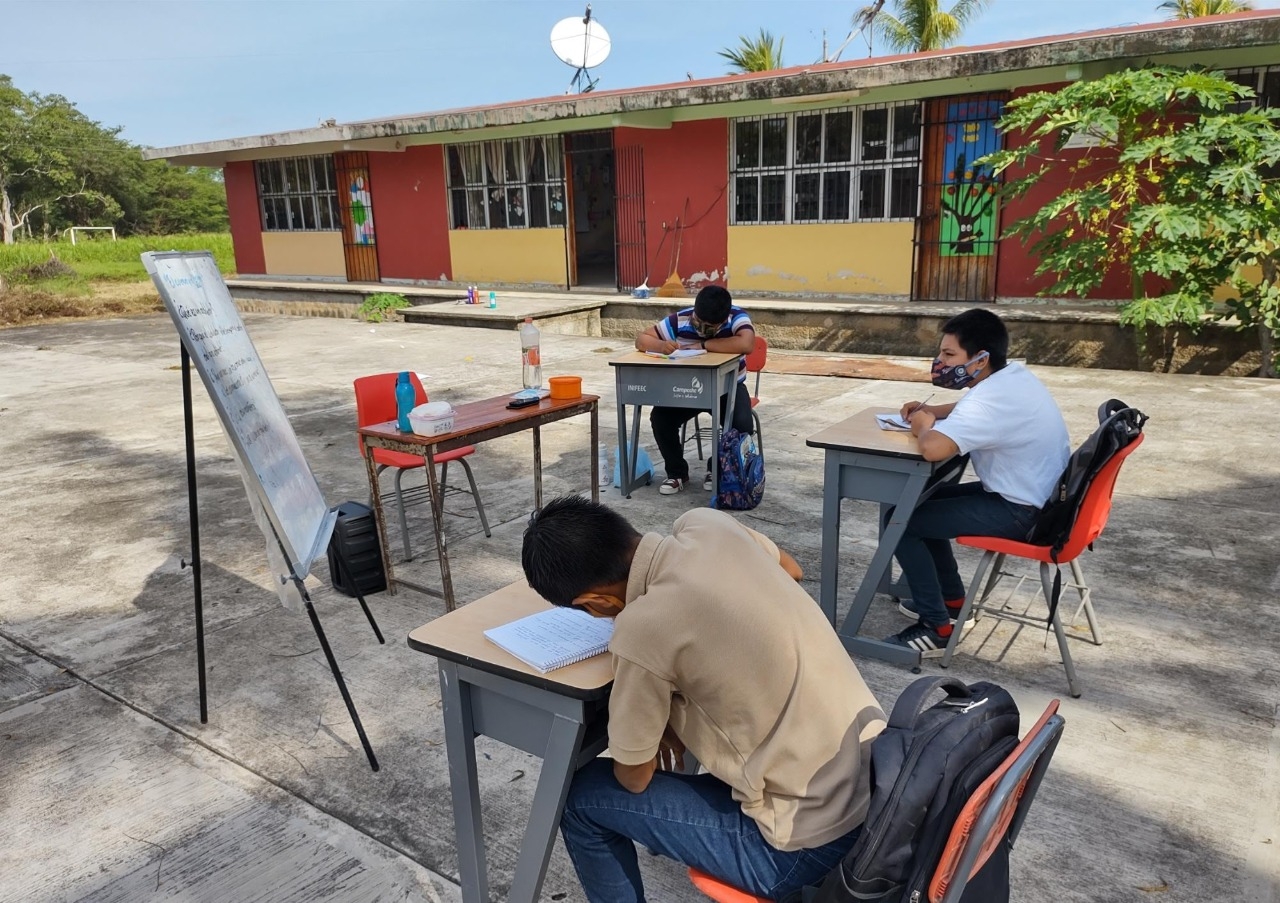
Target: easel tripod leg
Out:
[193,507]
[342,685]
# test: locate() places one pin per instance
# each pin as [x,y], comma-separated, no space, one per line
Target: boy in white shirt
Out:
[1016,439]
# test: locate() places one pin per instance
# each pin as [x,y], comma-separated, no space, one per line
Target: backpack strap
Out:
[915,698]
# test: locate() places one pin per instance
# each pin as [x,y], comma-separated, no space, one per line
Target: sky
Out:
[171,72]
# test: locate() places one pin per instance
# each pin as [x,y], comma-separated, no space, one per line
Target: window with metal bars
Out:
[298,194]
[1265,82]
[853,164]
[515,183]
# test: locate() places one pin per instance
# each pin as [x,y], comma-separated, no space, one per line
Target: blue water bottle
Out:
[405,397]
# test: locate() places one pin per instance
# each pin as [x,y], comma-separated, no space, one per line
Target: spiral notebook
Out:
[554,638]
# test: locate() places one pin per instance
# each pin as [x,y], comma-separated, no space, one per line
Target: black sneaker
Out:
[922,638]
[908,608]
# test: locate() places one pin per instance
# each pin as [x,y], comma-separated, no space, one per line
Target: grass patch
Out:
[21,305]
[380,306]
[103,260]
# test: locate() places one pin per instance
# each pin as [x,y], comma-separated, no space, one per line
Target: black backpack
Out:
[924,767]
[1118,425]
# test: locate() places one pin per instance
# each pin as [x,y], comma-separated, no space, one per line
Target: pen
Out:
[912,412]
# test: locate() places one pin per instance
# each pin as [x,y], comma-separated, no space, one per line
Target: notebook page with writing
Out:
[893,422]
[554,638]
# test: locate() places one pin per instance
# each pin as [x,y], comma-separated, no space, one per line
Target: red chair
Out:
[994,814]
[756,361]
[1090,521]
[376,403]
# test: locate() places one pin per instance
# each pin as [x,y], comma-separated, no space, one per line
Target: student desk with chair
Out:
[697,382]
[865,462]
[561,716]
[473,423]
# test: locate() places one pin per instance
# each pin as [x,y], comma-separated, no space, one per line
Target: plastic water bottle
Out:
[603,477]
[405,397]
[530,352]
[493,300]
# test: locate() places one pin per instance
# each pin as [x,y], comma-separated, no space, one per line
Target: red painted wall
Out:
[246,221]
[685,164]
[411,213]
[1015,277]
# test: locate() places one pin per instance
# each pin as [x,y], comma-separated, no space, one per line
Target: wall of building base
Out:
[508,256]
[822,258]
[304,254]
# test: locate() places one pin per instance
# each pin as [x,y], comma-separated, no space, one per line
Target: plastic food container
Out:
[565,386]
[435,418]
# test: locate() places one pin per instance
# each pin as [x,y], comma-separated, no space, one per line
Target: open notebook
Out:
[554,638]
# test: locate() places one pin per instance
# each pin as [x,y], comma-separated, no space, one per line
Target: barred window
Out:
[1265,82]
[835,166]
[516,183]
[298,194]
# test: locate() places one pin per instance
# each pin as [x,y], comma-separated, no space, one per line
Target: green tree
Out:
[1183,185]
[918,24]
[1194,9]
[173,199]
[759,54]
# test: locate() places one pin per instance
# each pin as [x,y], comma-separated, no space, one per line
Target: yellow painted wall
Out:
[840,258]
[520,256]
[304,254]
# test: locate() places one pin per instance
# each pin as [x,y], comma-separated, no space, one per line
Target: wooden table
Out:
[561,716]
[473,423]
[885,466]
[687,382]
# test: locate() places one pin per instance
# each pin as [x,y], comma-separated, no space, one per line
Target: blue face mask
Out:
[959,375]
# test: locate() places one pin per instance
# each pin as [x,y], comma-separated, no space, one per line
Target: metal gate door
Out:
[355,201]
[956,233]
[630,247]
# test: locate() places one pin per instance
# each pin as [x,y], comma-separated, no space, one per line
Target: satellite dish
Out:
[583,44]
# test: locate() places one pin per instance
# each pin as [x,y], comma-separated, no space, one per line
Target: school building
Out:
[848,180]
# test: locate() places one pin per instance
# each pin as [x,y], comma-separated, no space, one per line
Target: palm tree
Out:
[755,54]
[919,24]
[1194,9]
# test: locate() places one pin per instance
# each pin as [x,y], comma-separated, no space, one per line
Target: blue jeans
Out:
[924,552]
[692,819]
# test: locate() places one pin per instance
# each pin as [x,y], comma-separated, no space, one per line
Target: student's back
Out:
[760,688]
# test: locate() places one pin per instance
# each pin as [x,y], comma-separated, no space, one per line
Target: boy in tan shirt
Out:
[718,650]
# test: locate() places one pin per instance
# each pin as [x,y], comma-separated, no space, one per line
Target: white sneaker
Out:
[671,486]
[706,482]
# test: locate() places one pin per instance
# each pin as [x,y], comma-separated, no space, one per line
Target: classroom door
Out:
[630,246]
[355,201]
[958,225]
[590,176]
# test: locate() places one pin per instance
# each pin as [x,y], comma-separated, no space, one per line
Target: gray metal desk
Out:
[561,716]
[868,463]
[690,382]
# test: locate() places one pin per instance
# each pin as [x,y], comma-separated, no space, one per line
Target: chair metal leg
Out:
[759,435]
[444,476]
[1086,602]
[969,597]
[997,571]
[404,521]
[1046,582]
[475,494]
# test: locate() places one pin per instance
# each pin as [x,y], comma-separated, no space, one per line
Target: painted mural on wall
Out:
[969,192]
[361,209]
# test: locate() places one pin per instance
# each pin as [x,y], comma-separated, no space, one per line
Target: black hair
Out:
[572,546]
[713,304]
[979,330]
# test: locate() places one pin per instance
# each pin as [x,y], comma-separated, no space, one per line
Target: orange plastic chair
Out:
[376,403]
[756,362]
[994,814]
[1090,521]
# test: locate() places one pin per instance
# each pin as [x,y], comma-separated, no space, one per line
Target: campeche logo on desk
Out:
[695,388]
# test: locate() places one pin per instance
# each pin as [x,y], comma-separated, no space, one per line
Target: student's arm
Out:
[649,340]
[741,342]
[791,566]
[635,778]
[939,411]
[639,714]
[934,446]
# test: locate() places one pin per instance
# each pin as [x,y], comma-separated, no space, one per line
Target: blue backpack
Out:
[741,472]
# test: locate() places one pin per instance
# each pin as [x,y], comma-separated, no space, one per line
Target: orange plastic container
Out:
[565,386]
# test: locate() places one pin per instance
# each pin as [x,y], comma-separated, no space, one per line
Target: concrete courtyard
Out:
[1166,786]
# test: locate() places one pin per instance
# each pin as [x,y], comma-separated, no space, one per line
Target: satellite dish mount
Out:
[583,44]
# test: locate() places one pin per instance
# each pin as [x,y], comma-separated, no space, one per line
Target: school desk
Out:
[473,423]
[561,716]
[688,382]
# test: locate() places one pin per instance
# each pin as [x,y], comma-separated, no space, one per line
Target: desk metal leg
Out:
[828,591]
[379,517]
[595,453]
[548,802]
[714,452]
[459,738]
[537,468]
[437,527]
